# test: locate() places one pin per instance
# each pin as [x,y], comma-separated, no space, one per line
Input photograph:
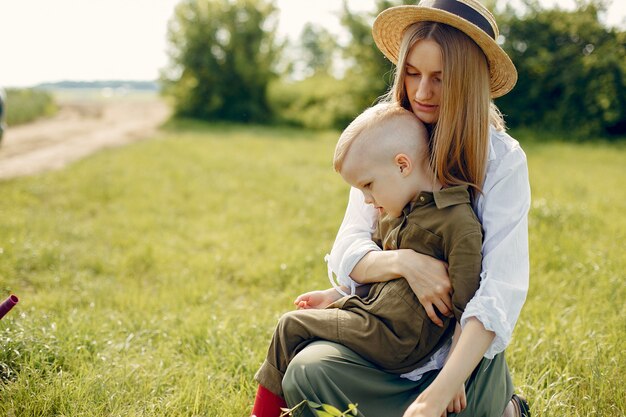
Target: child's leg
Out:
[385,330]
[388,327]
[294,331]
[267,404]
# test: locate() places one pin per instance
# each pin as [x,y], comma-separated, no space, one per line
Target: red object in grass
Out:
[8,304]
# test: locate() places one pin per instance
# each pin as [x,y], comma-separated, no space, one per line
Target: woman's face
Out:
[423,79]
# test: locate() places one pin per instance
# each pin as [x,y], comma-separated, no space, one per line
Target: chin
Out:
[427,118]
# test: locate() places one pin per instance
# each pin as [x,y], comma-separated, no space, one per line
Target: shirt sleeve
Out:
[464,266]
[505,264]
[354,239]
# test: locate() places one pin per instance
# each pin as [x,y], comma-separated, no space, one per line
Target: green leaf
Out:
[313,404]
[325,414]
[332,410]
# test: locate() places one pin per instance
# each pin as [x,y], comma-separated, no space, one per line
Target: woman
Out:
[449,67]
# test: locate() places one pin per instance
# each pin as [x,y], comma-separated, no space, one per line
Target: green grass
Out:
[151,276]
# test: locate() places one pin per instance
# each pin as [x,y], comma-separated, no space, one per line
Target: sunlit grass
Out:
[567,353]
[151,276]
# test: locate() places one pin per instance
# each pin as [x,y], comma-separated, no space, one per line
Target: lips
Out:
[427,108]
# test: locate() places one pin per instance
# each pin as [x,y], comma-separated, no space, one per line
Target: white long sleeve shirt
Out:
[503,211]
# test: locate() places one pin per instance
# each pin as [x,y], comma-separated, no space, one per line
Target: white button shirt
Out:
[503,211]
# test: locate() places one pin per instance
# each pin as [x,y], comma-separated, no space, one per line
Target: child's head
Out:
[384,153]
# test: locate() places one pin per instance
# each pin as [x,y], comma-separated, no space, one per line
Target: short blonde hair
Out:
[386,117]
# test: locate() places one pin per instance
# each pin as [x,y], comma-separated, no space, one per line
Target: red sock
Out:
[267,404]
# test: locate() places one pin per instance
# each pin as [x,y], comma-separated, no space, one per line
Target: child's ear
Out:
[404,163]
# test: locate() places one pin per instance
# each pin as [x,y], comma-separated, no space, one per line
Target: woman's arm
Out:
[503,211]
[428,277]
[459,400]
[355,259]
[468,352]
[353,240]
[490,316]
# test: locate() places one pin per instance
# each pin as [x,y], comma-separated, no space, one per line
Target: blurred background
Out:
[294,62]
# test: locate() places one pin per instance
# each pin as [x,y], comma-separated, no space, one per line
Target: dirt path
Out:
[80,128]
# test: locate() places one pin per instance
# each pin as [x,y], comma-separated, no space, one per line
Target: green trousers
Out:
[329,373]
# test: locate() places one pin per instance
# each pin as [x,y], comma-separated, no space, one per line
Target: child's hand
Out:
[459,402]
[317,299]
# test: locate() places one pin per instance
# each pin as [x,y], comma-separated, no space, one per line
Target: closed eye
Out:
[411,71]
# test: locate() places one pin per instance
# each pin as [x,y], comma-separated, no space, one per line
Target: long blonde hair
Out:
[459,142]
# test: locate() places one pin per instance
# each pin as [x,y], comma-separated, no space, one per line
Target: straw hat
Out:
[469,16]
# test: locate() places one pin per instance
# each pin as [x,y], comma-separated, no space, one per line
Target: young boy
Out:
[384,153]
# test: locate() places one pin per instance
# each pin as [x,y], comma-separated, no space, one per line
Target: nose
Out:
[368,198]
[424,91]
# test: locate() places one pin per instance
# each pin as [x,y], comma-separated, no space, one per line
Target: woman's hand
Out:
[459,402]
[440,396]
[425,406]
[428,404]
[429,280]
[428,277]
[317,299]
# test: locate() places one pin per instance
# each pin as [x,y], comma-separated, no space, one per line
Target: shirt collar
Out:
[452,196]
[443,198]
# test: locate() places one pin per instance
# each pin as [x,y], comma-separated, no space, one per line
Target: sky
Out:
[54,40]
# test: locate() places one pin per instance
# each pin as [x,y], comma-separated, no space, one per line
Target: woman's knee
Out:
[311,368]
[303,369]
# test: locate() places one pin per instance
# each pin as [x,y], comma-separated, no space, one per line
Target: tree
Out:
[318,47]
[370,73]
[322,100]
[221,59]
[572,71]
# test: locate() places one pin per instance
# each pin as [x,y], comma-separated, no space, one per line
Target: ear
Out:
[404,163]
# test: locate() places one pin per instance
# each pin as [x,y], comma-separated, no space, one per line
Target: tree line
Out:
[226,62]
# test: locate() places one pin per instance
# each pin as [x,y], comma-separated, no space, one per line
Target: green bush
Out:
[318,102]
[221,59]
[572,72]
[26,105]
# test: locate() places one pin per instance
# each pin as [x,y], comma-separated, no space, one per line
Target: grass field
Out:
[151,276]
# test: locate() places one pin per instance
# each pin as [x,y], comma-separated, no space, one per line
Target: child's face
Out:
[385,184]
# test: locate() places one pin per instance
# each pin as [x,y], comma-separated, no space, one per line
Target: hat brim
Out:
[390,25]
